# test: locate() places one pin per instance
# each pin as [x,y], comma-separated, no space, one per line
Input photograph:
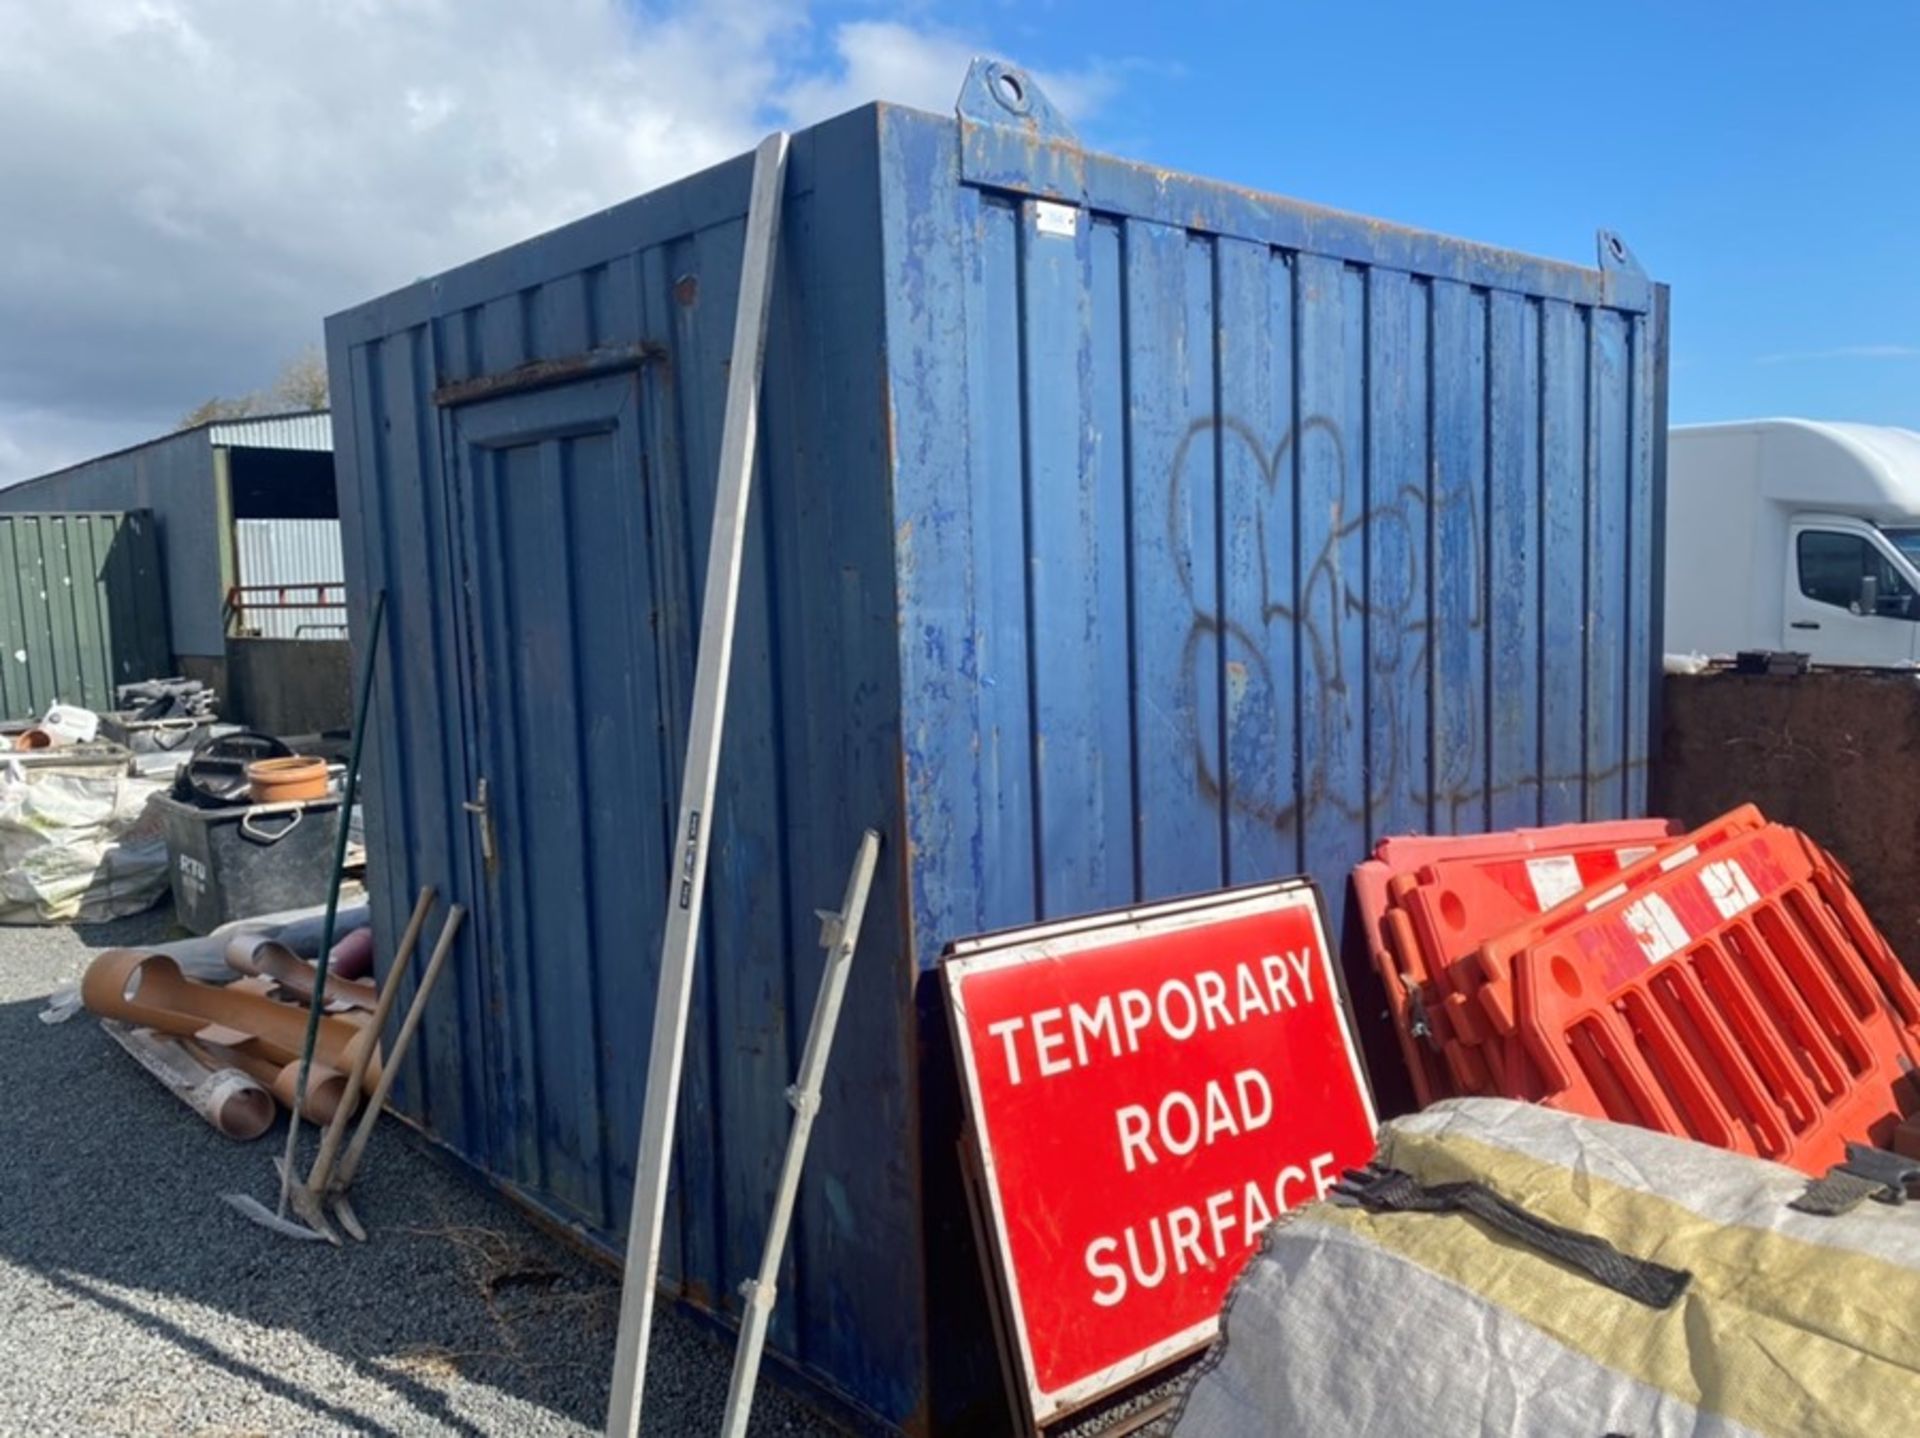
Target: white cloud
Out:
[191,185]
[1844,352]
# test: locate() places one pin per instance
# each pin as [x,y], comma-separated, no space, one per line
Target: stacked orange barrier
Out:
[1415,945]
[1727,987]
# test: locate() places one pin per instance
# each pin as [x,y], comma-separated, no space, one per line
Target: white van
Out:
[1794,534]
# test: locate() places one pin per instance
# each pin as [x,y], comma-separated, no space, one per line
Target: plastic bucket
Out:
[293,779]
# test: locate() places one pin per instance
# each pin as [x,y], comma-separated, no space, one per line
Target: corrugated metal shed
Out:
[172,480]
[304,429]
[1116,534]
[178,480]
[82,609]
[301,553]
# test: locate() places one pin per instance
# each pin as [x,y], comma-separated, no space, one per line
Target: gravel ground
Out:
[132,1301]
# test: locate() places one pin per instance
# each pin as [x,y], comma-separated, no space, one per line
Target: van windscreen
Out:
[1907,541]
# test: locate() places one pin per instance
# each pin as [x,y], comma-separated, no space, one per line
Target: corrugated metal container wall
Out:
[83,607]
[1179,537]
[298,552]
[1245,532]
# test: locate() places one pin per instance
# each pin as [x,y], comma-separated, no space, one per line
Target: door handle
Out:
[480,809]
[1797,624]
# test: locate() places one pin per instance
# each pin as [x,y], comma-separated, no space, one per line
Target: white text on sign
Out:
[1059,1040]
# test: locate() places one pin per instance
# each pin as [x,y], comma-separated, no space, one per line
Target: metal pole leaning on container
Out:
[276,1219]
[839,933]
[349,790]
[686,884]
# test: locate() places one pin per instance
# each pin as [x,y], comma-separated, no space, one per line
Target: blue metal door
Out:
[554,506]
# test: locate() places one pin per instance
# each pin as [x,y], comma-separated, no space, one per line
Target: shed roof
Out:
[303,429]
[310,430]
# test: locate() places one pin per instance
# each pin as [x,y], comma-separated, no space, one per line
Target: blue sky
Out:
[1760,158]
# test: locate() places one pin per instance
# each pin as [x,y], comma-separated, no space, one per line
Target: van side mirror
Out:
[1869,594]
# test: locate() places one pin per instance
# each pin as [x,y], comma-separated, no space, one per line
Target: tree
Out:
[210,410]
[302,384]
[303,381]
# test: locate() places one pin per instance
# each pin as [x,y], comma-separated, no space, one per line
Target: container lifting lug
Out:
[1627,282]
[1013,139]
[1614,254]
[997,92]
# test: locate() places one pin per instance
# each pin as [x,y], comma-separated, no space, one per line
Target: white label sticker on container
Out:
[1554,880]
[1656,928]
[1054,219]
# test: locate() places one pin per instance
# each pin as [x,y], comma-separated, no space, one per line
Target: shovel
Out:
[334,1182]
[305,1198]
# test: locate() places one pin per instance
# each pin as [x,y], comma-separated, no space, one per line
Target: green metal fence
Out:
[82,608]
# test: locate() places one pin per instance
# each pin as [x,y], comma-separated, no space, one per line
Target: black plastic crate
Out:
[249,859]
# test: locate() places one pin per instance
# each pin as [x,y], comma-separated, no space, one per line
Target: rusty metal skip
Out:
[687,881]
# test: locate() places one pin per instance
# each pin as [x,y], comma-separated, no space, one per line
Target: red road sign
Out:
[1149,1089]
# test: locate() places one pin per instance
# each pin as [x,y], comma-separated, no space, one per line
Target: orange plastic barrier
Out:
[1731,991]
[1413,948]
[1488,976]
[1445,911]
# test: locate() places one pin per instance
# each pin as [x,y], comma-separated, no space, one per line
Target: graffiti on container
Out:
[1383,734]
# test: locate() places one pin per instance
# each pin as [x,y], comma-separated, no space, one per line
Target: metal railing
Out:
[245,601]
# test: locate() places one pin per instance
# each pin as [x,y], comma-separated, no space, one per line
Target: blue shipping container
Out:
[1115,534]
